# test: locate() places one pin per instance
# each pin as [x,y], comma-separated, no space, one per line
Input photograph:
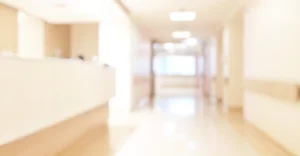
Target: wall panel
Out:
[8,29]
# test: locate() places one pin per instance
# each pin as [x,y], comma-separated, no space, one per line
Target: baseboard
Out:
[262,142]
[268,141]
[53,140]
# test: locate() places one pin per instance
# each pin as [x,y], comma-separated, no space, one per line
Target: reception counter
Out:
[49,99]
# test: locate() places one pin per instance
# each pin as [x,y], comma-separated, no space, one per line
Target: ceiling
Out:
[153,16]
[69,11]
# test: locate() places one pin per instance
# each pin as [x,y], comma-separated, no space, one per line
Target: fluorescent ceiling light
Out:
[190,41]
[181,34]
[183,16]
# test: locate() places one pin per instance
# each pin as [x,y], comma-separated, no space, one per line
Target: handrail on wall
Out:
[277,89]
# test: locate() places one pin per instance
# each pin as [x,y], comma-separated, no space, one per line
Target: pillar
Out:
[219,65]
[233,65]
[208,50]
[152,74]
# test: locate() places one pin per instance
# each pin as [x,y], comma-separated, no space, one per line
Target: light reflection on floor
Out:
[178,105]
[189,126]
[174,128]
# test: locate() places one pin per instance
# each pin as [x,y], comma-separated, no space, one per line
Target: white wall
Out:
[272,35]
[36,94]
[31,36]
[115,49]
[141,54]
[141,59]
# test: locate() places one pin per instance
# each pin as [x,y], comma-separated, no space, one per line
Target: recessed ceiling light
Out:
[183,16]
[181,34]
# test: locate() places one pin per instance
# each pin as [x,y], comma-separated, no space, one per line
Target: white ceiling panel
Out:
[153,16]
[69,11]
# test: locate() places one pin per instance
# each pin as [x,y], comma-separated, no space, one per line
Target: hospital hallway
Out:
[178,126]
[149,78]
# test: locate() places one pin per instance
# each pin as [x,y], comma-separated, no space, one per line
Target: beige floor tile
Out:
[176,126]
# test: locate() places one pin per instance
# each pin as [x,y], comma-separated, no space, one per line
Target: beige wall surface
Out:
[31,36]
[272,48]
[57,40]
[233,53]
[8,29]
[28,33]
[36,94]
[85,40]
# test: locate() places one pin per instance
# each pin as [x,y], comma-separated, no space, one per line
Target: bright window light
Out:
[181,46]
[170,47]
[181,34]
[183,16]
[190,42]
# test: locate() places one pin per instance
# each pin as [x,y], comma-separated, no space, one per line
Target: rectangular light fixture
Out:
[181,16]
[181,34]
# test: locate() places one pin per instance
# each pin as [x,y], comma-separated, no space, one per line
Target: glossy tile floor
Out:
[190,126]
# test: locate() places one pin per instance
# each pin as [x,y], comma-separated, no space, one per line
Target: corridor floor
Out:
[190,126]
[176,126]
